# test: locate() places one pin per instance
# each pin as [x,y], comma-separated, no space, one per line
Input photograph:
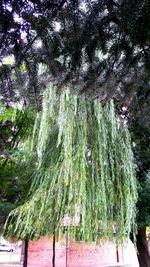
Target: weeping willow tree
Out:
[85,172]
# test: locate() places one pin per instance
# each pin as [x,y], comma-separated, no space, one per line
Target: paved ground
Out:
[9,259]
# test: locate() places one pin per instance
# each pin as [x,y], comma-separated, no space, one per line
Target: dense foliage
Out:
[98,47]
[139,126]
[15,127]
[85,175]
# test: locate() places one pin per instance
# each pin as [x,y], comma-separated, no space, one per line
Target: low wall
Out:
[80,254]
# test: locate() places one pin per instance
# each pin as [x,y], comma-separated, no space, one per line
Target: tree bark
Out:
[142,246]
[25,258]
[53,258]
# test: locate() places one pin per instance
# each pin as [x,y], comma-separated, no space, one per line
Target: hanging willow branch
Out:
[85,173]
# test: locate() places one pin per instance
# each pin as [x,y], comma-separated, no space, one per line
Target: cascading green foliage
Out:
[85,172]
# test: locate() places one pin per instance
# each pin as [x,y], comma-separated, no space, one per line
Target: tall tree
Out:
[100,48]
[84,173]
[15,126]
[140,129]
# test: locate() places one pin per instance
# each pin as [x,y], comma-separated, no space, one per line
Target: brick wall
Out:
[80,254]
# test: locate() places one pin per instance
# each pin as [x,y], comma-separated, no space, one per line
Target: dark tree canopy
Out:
[99,47]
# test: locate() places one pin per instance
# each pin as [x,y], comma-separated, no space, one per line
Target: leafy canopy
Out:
[98,47]
[84,178]
[15,127]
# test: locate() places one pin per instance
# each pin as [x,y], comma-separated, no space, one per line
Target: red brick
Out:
[79,254]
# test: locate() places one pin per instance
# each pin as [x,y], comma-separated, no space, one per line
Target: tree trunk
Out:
[25,258]
[53,258]
[142,246]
